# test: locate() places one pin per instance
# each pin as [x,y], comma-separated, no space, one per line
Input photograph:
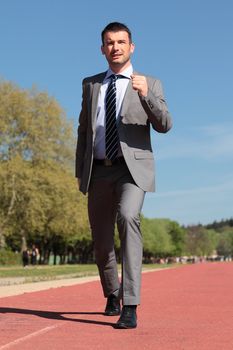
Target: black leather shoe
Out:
[128,317]
[113,307]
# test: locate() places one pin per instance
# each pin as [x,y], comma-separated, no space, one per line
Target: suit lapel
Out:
[127,98]
[95,94]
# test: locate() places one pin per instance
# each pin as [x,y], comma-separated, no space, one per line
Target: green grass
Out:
[41,273]
[48,272]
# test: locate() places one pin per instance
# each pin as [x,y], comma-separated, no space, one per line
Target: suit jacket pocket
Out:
[143,155]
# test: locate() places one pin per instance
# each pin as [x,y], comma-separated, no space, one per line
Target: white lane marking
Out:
[29,336]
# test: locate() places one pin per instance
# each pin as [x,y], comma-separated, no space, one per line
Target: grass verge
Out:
[44,273]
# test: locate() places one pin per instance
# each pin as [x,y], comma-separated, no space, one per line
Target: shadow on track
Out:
[54,315]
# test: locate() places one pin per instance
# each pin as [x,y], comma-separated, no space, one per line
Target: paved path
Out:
[187,308]
[13,288]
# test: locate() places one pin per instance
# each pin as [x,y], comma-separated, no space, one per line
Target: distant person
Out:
[115,165]
[25,257]
[34,254]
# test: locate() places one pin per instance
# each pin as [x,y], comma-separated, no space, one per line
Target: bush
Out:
[7,257]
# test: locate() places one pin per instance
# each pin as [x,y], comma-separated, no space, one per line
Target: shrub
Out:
[7,257]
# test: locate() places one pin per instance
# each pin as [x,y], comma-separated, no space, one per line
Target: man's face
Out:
[117,49]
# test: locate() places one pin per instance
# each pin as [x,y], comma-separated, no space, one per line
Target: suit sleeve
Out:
[82,131]
[156,108]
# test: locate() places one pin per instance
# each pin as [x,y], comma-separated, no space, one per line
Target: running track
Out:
[187,308]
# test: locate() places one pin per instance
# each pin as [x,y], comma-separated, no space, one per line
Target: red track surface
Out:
[187,308]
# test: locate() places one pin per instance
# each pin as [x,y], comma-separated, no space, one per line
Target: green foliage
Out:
[156,239]
[219,225]
[201,241]
[7,257]
[33,126]
[39,200]
[48,208]
[178,236]
[225,242]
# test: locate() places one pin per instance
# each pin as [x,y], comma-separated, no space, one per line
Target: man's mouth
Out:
[116,56]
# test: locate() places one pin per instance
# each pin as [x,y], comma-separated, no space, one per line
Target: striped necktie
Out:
[111,133]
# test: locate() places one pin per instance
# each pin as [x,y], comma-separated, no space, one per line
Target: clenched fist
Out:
[139,84]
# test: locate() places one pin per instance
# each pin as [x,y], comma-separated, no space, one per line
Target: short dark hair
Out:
[116,27]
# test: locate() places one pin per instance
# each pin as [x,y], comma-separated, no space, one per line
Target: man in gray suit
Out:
[115,165]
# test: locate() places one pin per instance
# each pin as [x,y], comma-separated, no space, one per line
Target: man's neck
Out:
[117,69]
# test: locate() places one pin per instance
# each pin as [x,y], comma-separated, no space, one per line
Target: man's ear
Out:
[102,50]
[132,47]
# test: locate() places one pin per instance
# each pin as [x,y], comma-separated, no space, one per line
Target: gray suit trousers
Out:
[114,197]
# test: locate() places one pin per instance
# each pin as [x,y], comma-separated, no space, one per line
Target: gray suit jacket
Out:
[137,114]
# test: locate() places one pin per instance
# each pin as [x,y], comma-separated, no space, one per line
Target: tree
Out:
[156,240]
[225,241]
[39,200]
[200,241]
[178,236]
[33,126]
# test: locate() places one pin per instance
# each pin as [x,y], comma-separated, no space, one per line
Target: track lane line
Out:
[29,336]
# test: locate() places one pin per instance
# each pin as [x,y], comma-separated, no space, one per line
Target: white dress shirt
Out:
[121,86]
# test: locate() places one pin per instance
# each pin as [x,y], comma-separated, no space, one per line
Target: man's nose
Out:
[115,46]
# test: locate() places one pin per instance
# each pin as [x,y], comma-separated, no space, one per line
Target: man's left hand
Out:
[139,84]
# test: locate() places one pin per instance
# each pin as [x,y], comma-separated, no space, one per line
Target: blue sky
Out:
[187,44]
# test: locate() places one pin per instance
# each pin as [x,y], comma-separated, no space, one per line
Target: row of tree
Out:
[39,201]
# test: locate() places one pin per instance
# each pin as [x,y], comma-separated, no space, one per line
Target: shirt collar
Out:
[126,73]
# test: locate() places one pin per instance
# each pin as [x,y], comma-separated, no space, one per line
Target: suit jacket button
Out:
[150,104]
